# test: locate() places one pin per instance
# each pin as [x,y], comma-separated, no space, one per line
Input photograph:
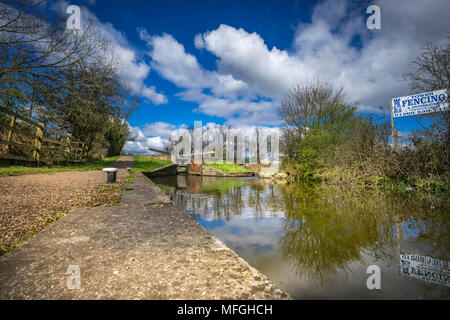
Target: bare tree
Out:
[431,68]
[307,105]
[36,45]
[431,71]
[65,78]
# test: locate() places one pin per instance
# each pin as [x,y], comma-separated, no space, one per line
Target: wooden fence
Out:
[26,140]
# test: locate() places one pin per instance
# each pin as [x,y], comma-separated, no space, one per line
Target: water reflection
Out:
[426,269]
[316,242]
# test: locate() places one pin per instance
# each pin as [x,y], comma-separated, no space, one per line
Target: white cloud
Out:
[336,45]
[158,135]
[171,60]
[89,2]
[245,56]
[139,142]
[250,77]
[132,72]
[228,98]
[154,135]
[161,129]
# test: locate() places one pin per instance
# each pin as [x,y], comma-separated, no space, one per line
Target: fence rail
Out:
[24,139]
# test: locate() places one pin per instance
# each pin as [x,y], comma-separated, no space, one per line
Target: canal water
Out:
[318,242]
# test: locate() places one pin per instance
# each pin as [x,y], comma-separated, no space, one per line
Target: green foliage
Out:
[348,148]
[323,143]
[117,135]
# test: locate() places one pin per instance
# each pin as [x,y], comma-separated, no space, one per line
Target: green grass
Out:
[58,215]
[227,167]
[144,164]
[91,164]
[164,188]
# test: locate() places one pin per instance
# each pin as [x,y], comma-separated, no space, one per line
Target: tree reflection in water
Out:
[222,198]
[325,229]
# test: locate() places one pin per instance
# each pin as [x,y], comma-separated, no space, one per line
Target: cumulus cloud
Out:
[141,147]
[153,135]
[227,97]
[245,56]
[236,111]
[89,2]
[138,142]
[171,60]
[324,49]
[161,129]
[132,72]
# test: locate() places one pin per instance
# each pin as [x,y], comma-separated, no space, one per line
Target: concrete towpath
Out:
[143,249]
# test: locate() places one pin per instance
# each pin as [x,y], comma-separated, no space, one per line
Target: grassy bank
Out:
[91,164]
[145,164]
[363,179]
[227,167]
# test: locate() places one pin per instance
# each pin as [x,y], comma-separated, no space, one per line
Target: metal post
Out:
[111,177]
[110,174]
[394,133]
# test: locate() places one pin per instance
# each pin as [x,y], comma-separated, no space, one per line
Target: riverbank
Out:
[360,179]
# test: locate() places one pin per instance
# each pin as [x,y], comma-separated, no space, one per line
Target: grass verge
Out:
[91,164]
[227,167]
[145,164]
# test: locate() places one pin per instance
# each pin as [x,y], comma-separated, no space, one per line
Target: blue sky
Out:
[230,62]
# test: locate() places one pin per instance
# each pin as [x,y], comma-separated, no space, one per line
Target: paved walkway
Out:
[144,249]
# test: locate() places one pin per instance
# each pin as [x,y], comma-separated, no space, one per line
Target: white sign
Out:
[425,268]
[421,103]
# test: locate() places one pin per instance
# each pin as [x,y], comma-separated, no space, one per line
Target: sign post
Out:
[393,133]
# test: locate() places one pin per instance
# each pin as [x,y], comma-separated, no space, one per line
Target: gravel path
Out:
[27,201]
